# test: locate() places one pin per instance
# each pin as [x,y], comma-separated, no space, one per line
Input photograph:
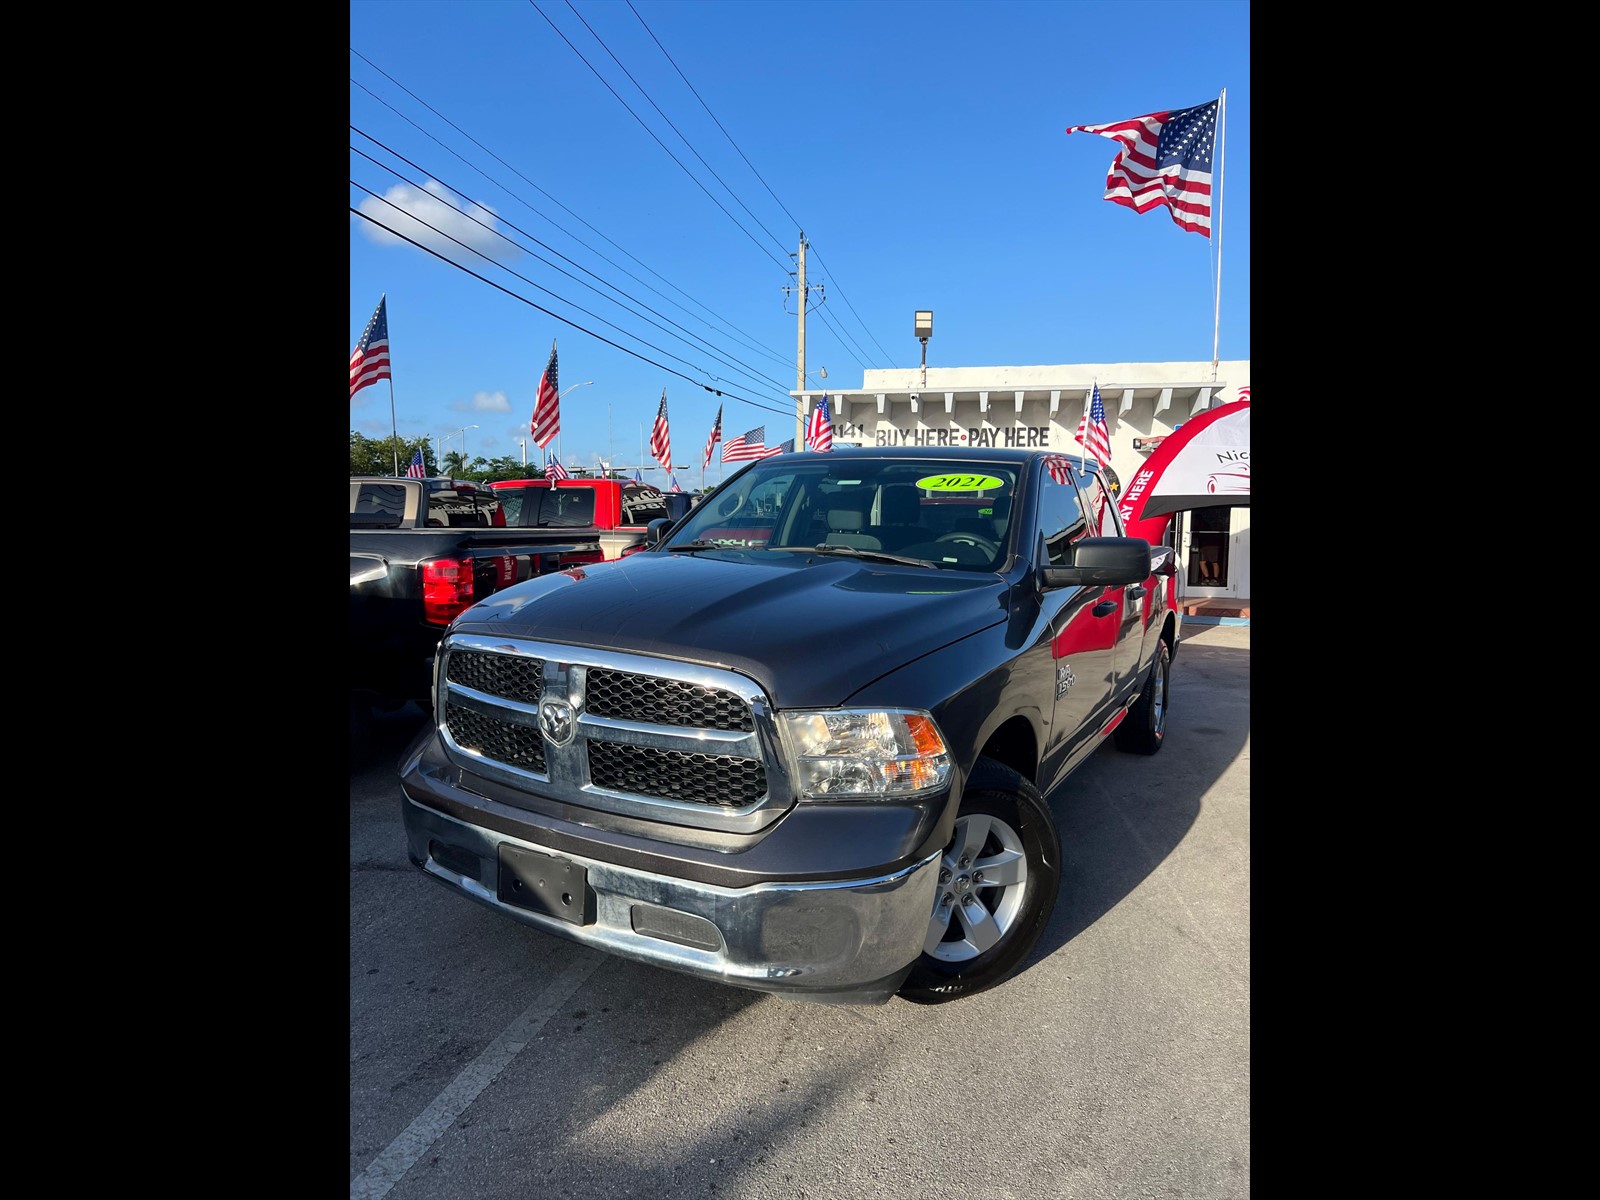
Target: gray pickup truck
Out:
[801,743]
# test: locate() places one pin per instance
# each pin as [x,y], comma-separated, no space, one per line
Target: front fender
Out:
[985,695]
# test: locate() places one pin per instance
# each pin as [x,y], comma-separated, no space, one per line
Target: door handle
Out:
[1105,608]
[1136,592]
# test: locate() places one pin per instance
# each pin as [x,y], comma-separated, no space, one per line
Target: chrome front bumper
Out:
[835,942]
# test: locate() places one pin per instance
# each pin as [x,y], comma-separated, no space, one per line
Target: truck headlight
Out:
[844,753]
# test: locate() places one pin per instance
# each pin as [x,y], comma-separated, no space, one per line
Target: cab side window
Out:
[640,507]
[573,507]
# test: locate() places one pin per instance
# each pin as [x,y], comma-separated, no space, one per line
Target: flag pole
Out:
[1216,334]
[394,430]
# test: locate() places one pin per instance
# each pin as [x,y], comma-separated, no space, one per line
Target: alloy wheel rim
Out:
[983,876]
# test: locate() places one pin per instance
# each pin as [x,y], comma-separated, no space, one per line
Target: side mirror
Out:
[656,530]
[1163,560]
[1105,562]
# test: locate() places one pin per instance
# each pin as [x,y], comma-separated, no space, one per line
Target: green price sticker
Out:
[959,483]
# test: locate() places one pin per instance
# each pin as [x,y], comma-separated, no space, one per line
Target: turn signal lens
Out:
[854,753]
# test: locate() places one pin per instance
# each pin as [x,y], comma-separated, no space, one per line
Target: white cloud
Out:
[410,211]
[485,402]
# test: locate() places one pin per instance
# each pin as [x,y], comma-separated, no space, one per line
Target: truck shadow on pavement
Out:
[1122,815]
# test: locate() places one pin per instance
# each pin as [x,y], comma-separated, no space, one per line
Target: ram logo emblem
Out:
[555,718]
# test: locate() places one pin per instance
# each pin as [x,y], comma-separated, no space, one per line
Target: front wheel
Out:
[998,880]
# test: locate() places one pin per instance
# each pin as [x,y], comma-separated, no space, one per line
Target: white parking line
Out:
[414,1141]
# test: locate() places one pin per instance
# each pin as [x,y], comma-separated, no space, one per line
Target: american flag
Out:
[748,445]
[1092,432]
[675,486]
[819,436]
[416,470]
[554,470]
[370,360]
[716,436]
[1165,160]
[546,421]
[1060,468]
[660,443]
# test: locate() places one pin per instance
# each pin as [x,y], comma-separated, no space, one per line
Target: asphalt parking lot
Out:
[491,1060]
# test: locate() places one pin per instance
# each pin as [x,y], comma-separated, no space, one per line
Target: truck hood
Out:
[810,629]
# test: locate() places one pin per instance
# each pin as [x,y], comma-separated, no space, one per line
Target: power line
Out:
[749,338]
[675,129]
[781,265]
[744,368]
[753,170]
[835,328]
[838,332]
[557,316]
[851,307]
[586,312]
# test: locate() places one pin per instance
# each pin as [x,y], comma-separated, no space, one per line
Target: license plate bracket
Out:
[543,883]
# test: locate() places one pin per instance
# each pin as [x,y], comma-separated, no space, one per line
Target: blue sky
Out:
[638,174]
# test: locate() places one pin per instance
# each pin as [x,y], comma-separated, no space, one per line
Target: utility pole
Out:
[800,355]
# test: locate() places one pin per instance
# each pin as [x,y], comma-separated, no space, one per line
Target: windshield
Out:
[954,514]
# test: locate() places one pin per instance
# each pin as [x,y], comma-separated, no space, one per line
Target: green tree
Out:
[507,466]
[376,456]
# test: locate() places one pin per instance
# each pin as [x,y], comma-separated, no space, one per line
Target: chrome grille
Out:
[519,745]
[665,701]
[498,674]
[697,778]
[645,737]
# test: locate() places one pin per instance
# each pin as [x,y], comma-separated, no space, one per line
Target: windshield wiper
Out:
[874,555]
[691,547]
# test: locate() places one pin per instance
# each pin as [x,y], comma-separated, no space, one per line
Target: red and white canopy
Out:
[1204,464]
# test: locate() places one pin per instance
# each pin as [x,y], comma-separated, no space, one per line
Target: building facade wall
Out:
[1042,406]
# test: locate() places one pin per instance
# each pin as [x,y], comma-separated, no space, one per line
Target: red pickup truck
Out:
[617,510]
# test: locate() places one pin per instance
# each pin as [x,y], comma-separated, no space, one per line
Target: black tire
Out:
[1145,727]
[1003,822]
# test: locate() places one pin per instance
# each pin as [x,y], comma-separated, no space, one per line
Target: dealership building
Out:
[1041,406]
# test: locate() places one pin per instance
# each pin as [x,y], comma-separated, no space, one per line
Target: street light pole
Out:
[586,383]
[463,432]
